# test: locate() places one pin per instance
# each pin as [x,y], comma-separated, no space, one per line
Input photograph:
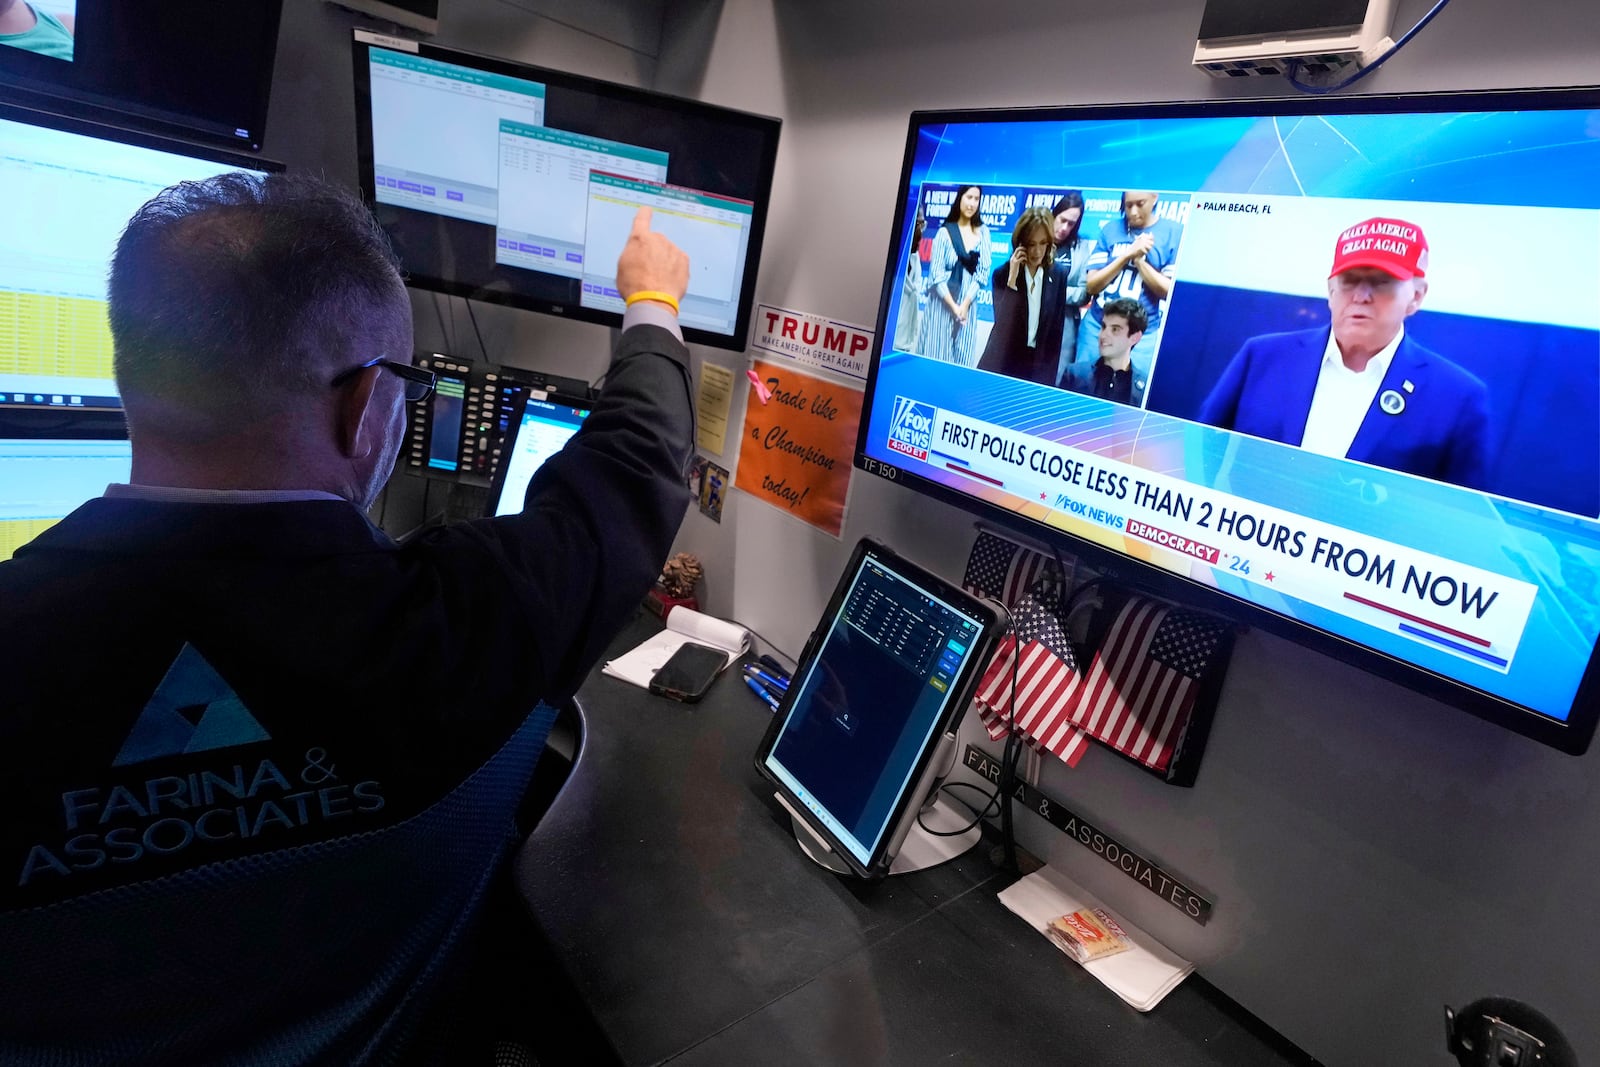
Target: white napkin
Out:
[1141,976]
[639,664]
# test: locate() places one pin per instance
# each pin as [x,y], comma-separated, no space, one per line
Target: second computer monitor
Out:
[518,185]
[542,425]
[43,479]
[69,188]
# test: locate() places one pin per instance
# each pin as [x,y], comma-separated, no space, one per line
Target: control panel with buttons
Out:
[459,431]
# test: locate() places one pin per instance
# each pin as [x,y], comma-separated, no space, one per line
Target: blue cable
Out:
[1321,90]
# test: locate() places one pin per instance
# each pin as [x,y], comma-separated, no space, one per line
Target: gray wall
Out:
[1373,854]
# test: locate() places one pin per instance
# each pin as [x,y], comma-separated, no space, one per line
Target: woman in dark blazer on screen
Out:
[1029,306]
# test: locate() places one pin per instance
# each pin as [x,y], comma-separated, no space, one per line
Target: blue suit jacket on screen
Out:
[1442,432]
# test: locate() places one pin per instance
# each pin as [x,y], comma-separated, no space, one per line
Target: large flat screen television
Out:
[1332,364]
[517,185]
[200,68]
[72,187]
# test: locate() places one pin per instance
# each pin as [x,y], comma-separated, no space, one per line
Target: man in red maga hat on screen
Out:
[1360,388]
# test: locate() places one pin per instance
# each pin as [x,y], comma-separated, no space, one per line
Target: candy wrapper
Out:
[1090,934]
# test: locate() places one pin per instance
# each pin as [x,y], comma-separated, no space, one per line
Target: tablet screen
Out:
[542,429]
[893,656]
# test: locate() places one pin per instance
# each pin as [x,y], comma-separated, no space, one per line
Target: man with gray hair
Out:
[259,763]
[1362,387]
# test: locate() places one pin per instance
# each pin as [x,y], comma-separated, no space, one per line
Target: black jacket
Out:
[1007,350]
[192,687]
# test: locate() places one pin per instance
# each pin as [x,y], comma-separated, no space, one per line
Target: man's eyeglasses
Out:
[419,382]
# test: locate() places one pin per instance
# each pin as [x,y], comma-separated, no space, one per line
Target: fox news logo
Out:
[911,431]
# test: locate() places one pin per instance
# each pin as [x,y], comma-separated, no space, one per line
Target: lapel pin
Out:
[1392,402]
[1407,386]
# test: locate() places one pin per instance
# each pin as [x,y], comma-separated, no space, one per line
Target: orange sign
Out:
[798,446]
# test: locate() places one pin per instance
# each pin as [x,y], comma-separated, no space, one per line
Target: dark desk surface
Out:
[670,887]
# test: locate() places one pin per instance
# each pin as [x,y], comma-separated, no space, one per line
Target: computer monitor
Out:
[199,68]
[542,425]
[76,184]
[884,678]
[42,480]
[518,185]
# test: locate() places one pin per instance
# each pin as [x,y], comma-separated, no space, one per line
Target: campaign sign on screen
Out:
[1302,370]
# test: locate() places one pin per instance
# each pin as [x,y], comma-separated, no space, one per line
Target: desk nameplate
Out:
[1162,883]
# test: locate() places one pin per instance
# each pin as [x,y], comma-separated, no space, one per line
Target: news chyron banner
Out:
[1133,490]
[1470,611]
[1448,516]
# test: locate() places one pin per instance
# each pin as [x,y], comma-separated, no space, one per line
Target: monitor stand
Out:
[919,851]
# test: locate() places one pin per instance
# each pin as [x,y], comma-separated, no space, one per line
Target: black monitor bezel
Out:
[993,621]
[362,41]
[1572,736]
[48,95]
[63,424]
[497,485]
[137,138]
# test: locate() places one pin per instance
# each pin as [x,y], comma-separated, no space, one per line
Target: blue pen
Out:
[773,681]
[778,692]
[755,687]
[778,687]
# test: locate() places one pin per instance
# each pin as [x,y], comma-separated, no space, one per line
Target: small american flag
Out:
[1142,685]
[1004,570]
[1139,691]
[1046,676]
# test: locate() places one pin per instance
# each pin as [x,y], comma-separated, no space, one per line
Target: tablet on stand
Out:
[865,733]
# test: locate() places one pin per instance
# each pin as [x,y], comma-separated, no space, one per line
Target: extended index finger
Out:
[641,222]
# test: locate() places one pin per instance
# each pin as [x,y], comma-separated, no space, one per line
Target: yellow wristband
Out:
[652,294]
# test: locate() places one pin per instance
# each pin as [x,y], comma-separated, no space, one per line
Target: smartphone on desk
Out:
[689,672]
